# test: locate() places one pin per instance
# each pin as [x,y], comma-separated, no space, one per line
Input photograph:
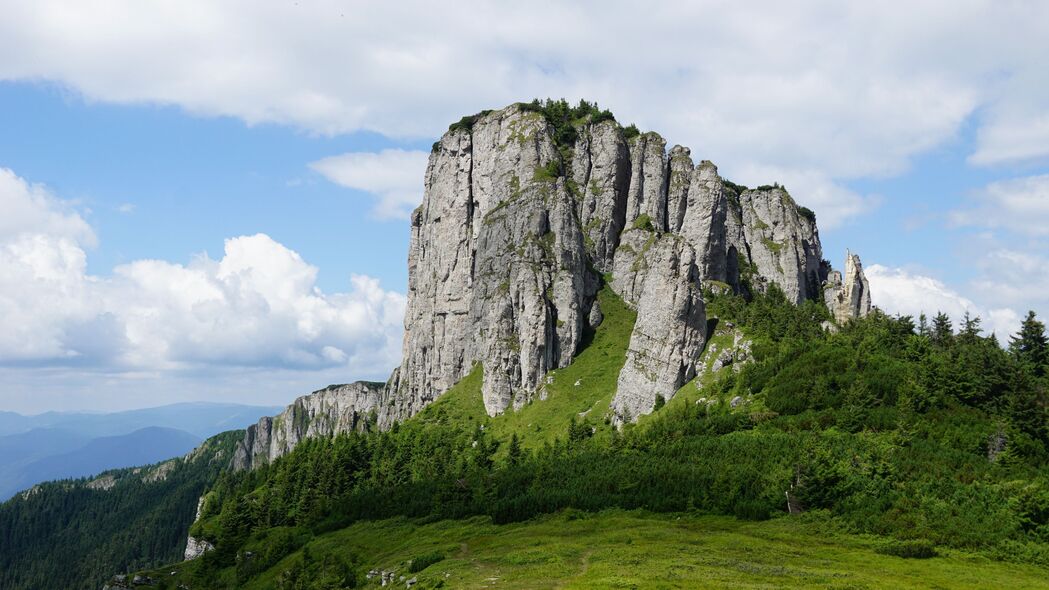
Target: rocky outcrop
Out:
[657,275]
[196,547]
[519,225]
[647,194]
[601,175]
[847,294]
[327,412]
[783,243]
[498,271]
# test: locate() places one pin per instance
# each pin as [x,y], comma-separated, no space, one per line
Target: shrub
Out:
[917,549]
[424,561]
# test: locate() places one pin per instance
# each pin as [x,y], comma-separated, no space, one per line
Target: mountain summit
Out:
[527,212]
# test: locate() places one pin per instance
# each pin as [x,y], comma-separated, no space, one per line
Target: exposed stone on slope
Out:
[327,412]
[519,278]
[657,275]
[647,194]
[848,295]
[440,275]
[601,173]
[196,547]
[784,245]
[505,255]
[679,177]
[705,225]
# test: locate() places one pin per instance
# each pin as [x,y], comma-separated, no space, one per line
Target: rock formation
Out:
[657,275]
[519,226]
[327,412]
[196,547]
[498,269]
[848,296]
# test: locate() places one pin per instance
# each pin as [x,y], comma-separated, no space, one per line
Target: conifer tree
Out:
[942,330]
[1030,345]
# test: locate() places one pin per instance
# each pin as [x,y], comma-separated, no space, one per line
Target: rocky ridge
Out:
[521,224]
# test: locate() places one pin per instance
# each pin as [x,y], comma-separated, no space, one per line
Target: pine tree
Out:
[513,456]
[970,328]
[942,330]
[1030,345]
[923,325]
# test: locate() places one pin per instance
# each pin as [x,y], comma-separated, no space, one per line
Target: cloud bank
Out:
[256,306]
[828,90]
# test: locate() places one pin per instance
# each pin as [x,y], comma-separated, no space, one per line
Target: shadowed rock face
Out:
[514,237]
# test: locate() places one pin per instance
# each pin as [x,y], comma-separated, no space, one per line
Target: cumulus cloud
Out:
[742,84]
[256,306]
[393,177]
[1017,204]
[900,291]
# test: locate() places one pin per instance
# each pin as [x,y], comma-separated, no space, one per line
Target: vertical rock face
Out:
[704,223]
[601,172]
[520,276]
[509,247]
[647,194]
[327,412]
[784,244]
[848,295]
[679,176]
[657,275]
[196,547]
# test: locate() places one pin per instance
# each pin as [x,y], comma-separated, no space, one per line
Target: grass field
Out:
[620,549]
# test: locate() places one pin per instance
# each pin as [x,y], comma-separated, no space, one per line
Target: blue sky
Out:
[209,201]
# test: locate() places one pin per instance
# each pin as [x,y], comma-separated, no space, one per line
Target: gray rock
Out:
[657,274]
[601,173]
[647,194]
[996,444]
[735,402]
[784,245]
[596,317]
[498,271]
[333,410]
[724,359]
[678,180]
[196,547]
[506,254]
[848,294]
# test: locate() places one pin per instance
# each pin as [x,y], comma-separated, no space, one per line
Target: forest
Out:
[906,428]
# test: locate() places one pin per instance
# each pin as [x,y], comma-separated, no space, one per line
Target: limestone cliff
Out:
[327,412]
[848,295]
[523,217]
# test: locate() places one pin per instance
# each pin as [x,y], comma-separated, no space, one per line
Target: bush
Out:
[917,549]
[424,561]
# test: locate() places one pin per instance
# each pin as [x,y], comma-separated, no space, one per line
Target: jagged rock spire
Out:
[848,295]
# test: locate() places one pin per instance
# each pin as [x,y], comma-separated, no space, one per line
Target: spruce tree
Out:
[1030,345]
[942,330]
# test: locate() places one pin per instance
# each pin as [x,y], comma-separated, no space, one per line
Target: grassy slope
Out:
[620,549]
[595,369]
[627,549]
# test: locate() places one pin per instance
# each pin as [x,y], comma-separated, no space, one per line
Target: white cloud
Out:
[394,177]
[899,291]
[743,84]
[30,209]
[257,306]
[1017,204]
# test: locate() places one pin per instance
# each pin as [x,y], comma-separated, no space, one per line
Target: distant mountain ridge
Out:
[202,419]
[58,445]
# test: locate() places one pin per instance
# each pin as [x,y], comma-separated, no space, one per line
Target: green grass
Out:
[596,370]
[636,549]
